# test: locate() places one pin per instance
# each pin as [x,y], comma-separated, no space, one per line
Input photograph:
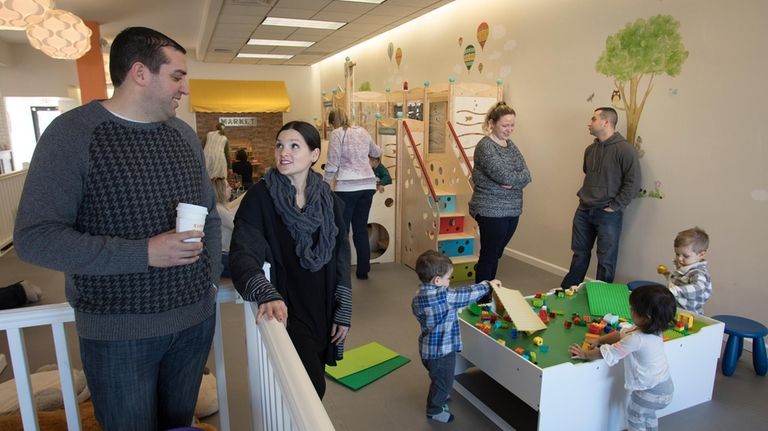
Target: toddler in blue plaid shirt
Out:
[435,307]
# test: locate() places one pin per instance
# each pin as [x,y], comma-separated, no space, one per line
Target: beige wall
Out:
[30,73]
[704,131]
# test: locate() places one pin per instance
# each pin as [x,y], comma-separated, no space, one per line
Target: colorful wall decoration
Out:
[633,57]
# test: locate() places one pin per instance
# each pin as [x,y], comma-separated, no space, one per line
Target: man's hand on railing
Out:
[273,310]
[338,333]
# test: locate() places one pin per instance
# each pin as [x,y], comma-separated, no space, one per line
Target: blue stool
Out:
[634,284]
[737,328]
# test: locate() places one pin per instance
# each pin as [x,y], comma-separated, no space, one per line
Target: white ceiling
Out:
[216,30]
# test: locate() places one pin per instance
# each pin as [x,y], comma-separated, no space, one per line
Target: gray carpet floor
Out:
[396,402]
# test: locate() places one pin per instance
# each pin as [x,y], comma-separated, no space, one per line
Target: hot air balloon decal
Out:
[480,67]
[469,56]
[398,56]
[390,50]
[482,34]
[461,41]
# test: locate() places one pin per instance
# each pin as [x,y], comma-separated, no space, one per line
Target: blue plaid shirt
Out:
[436,310]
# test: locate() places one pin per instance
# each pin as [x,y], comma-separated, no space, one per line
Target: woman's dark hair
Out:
[241,155]
[138,44]
[307,131]
[656,305]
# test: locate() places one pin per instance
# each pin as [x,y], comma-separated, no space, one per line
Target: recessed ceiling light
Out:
[366,1]
[272,42]
[269,56]
[304,23]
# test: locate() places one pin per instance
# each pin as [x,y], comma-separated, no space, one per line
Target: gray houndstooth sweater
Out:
[97,189]
[497,166]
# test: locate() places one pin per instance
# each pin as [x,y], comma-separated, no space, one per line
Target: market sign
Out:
[238,121]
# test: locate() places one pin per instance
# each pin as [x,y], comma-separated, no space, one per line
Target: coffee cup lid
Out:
[192,208]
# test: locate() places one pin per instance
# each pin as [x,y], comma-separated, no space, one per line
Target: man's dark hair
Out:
[138,44]
[609,114]
[431,264]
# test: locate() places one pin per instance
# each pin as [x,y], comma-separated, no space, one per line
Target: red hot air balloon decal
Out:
[482,34]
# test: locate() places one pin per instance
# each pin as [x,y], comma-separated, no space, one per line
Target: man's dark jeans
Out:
[590,225]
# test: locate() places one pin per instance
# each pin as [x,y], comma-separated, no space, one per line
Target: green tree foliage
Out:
[642,49]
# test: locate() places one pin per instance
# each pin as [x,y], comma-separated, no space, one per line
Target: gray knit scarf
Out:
[302,223]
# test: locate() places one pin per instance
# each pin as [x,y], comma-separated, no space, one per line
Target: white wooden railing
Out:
[11,186]
[281,394]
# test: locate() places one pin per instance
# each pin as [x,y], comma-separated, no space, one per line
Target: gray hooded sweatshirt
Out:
[611,174]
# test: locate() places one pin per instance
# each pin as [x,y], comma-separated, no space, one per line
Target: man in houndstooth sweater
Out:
[144,299]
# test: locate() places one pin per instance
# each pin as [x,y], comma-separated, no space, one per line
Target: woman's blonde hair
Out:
[494,114]
[220,187]
[337,117]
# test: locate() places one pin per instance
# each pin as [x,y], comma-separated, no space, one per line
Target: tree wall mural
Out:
[633,57]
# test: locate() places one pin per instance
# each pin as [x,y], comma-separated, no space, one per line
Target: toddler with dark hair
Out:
[435,307]
[646,371]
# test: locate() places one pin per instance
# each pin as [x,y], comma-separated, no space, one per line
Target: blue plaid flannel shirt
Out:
[436,309]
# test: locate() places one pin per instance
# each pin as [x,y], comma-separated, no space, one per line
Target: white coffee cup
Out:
[190,217]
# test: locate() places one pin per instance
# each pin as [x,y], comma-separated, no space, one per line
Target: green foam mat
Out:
[359,359]
[608,298]
[363,378]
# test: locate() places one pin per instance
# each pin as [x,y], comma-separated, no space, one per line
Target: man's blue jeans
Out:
[147,384]
[590,225]
[357,205]
[441,381]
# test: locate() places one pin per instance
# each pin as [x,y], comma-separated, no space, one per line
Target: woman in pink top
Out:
[348,164]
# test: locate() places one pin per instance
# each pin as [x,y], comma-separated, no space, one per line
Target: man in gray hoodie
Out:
[611,180]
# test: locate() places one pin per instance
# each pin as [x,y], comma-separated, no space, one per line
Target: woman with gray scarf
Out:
[292,220]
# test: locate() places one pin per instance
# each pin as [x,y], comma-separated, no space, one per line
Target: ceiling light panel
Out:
[273,42]
[267,56]
[303,23]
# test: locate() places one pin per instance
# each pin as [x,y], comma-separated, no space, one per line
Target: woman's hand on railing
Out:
[273,310]
[338,333]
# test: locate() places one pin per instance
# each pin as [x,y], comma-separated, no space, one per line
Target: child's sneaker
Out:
[445,416]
